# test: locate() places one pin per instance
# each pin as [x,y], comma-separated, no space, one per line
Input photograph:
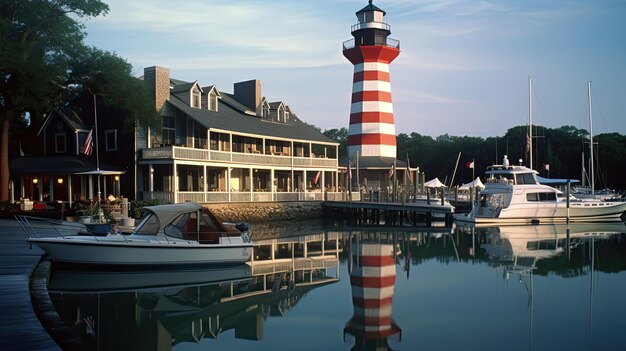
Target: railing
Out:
[185,153]
[366,25]
[392,43]
[221,196]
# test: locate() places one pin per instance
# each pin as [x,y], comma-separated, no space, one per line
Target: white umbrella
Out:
[434,183]
[476,183]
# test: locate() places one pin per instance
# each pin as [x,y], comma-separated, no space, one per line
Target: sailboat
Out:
[512,194]
[589,192]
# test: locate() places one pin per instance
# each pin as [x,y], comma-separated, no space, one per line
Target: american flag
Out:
[88,145]
[317,177]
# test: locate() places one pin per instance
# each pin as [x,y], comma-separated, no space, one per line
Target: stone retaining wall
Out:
[266,211]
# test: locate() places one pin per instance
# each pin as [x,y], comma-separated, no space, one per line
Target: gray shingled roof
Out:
[231,117]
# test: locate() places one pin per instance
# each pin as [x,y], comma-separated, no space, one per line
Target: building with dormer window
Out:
[230,147]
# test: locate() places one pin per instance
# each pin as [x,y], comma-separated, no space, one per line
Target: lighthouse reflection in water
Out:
[533,287]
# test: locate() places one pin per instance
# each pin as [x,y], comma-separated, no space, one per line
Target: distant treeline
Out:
[557,153]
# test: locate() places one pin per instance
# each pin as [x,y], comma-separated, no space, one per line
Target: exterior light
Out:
[60,180]
[117,178]
[35,180]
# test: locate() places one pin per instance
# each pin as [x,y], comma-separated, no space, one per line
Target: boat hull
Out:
[102,252]
[582,211]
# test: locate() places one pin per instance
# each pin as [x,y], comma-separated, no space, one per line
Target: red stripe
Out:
[372,303]
[371,117]
[370,75]
[383,96]
[376,261]
[371,53]
[373,282]
[372,139]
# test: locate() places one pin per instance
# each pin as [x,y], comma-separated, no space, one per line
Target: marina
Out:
[522,280]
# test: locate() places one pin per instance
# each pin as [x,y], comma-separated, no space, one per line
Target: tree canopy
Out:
[43,59]
[564,149]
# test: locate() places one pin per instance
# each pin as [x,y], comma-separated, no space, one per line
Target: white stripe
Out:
[372,293]
[372,128]
[371,106]
[383,311]
[371,85]
[371,66]
[378,272]
[373,150]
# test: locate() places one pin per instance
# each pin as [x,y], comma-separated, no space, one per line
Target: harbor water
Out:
[536,287]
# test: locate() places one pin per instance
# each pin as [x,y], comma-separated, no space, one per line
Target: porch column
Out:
[205,189]
[175,181]
[251,183]
[272,183]
[151,178]
[90,188]
[228,182]
[304,179]
[22,188]
[69,189]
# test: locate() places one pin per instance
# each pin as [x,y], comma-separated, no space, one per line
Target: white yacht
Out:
[512,194]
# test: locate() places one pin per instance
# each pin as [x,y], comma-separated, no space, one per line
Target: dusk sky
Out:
[462,70]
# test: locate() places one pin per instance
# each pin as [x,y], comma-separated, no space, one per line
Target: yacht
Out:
[512,194]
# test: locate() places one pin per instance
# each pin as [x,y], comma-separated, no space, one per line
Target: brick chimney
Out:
[158,82]
[249,93]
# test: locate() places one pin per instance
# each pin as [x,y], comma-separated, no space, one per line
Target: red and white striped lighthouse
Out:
[372,279]
[372,130]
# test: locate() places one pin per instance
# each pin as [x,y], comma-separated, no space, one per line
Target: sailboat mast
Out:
[591,139]
[530,120]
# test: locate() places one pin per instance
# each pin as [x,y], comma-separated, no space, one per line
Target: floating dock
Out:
[387,214]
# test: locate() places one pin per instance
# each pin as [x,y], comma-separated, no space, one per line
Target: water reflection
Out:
[407,289]
[372,269]
[160,309]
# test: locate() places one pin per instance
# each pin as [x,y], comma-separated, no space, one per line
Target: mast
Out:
[591,139]
[530,120]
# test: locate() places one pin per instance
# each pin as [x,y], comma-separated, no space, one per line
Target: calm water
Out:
[497,288]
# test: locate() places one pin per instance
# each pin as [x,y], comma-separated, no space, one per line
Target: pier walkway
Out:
[20,328]
[387,213]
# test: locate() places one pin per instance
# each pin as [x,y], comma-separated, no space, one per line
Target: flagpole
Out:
[473,168]
[95,114]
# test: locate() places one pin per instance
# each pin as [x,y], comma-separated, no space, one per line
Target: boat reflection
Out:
[161,309]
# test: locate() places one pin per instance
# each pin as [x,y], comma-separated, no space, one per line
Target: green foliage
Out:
[110,78]
[136,205]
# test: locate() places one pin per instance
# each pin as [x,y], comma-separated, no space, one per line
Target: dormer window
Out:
[265,113]
[212,101]
[286,116]
[195,98]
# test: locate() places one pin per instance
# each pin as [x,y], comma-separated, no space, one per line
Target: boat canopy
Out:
[556,181]
[476,183]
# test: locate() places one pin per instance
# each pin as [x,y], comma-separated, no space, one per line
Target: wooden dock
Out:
[20,328]
[387,214]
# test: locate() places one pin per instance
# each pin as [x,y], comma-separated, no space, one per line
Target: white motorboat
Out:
[512,194]
[178,234]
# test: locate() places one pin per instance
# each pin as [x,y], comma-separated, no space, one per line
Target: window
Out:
[169,130]
[60,143]
[213,101]
[541,197]
[525,178]
[195,98]
[110,139]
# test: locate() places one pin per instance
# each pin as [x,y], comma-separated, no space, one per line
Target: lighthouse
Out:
[372,131]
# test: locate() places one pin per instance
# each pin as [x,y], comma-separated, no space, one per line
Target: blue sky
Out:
[462,70]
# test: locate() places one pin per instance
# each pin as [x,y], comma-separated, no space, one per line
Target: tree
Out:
[102,73]
[340,136]
[38,39]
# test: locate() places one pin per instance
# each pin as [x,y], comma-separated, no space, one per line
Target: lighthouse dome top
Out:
[370,8]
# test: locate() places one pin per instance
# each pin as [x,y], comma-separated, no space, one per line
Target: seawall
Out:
[266,211]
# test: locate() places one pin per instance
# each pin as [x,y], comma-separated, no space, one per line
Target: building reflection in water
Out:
[372,267]
[156,310]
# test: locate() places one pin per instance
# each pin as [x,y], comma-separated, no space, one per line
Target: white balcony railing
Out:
[185,153]
[218,196]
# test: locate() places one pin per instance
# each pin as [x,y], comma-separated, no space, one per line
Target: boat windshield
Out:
[149,225]
[525,178]
[186,226]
